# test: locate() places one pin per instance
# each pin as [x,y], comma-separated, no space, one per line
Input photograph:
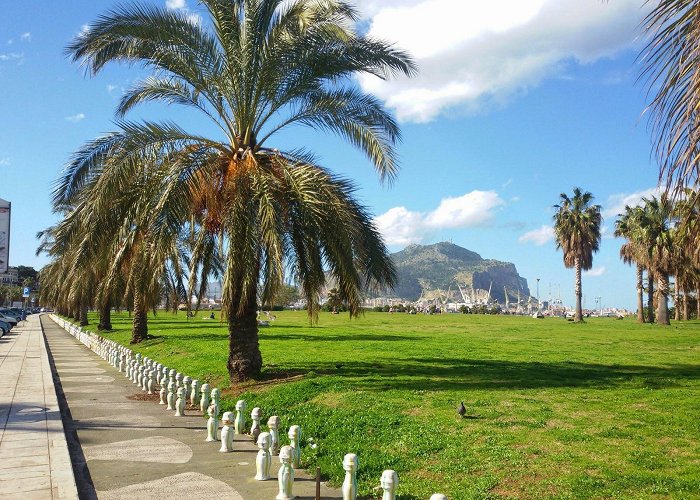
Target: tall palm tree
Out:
[656,225]
[253,68]
[577,232]
[632,251]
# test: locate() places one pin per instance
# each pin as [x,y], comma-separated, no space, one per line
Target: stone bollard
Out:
[144,379]
[139,376]
[212,423]
[204,402]
[178,380]
[171,377]
[273,424]
[151,381]
[180,403]
[187,384]
[171,395]
[255,427]
[264,460]
[226,433]
[285,476]
[215,396]
[122,362]
[239,424]
[195,392]
[163,394]
[389,483]
[164,376]
[438,496]
[294,439]
[350,465]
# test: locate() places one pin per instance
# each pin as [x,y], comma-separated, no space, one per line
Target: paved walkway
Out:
[34,460]
[126,448]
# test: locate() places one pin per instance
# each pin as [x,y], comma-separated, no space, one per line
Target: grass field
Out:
[607,409]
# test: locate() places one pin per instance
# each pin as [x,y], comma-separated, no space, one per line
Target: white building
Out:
[11,277]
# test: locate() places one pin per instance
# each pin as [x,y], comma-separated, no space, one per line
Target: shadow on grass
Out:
[453,374]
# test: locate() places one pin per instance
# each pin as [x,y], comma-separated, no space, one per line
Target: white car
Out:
[8,319]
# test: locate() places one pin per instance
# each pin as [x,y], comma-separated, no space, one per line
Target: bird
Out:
[461,410]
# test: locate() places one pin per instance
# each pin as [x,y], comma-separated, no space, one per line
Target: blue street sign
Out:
[25,293]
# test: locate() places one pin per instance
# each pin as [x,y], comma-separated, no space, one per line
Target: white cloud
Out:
[76,118]
[400,226]
[5,162]
[470,52]
[176,4]
[26,37]
[595,272]
[12,56]
[617,202]
[539,237]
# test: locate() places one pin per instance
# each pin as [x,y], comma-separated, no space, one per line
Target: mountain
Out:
[435,270]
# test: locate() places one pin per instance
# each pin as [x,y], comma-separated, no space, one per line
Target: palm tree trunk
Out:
[244,358]
[640,294]
[105,316]
[650,296]
[662,300]
[677,301]
[686,305]
[578,317]
[83,315]
[139,330]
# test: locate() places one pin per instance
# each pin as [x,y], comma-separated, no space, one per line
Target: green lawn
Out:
[608,409]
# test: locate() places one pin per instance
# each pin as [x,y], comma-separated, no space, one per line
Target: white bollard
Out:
[195,392]
[178,380]
[389,483]
[264,460]
[255,427]
[273,424]
[180,403]
[285,476]
[187,384]
[239,424]
[204,402]
[226,433]
[215,396]
[151,381]
[171,395]
[438,496]
[163,395]
[350,465]
[294,439]
[212,423]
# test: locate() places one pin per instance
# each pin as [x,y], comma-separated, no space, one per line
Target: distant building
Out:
[11,277]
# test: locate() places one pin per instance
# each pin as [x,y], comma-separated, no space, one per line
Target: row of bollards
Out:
[176,389]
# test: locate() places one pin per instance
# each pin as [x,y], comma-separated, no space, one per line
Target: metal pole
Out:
[318,483]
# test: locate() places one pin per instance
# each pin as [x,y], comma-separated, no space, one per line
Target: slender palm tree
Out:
[577,232]
[632,251]
[253,68]
[656,225]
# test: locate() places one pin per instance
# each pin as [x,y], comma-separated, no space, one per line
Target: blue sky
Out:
[516,102]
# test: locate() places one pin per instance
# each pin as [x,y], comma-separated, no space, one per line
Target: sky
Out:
[516,101]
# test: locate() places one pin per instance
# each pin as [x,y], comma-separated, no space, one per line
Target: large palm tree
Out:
[253,68]
[577,232]
[656,224]
[632,251]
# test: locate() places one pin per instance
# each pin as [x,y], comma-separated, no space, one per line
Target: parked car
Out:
[4,328]
[9,319]
[10,313]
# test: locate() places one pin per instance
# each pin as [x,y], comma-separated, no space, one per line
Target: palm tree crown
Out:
[253,68]
[577,233]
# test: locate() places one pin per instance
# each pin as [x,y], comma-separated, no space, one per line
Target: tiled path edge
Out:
[33,446]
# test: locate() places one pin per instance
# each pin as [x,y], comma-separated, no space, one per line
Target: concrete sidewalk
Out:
[126,447]
[34,459]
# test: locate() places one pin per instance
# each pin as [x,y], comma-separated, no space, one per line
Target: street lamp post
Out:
[539,304]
